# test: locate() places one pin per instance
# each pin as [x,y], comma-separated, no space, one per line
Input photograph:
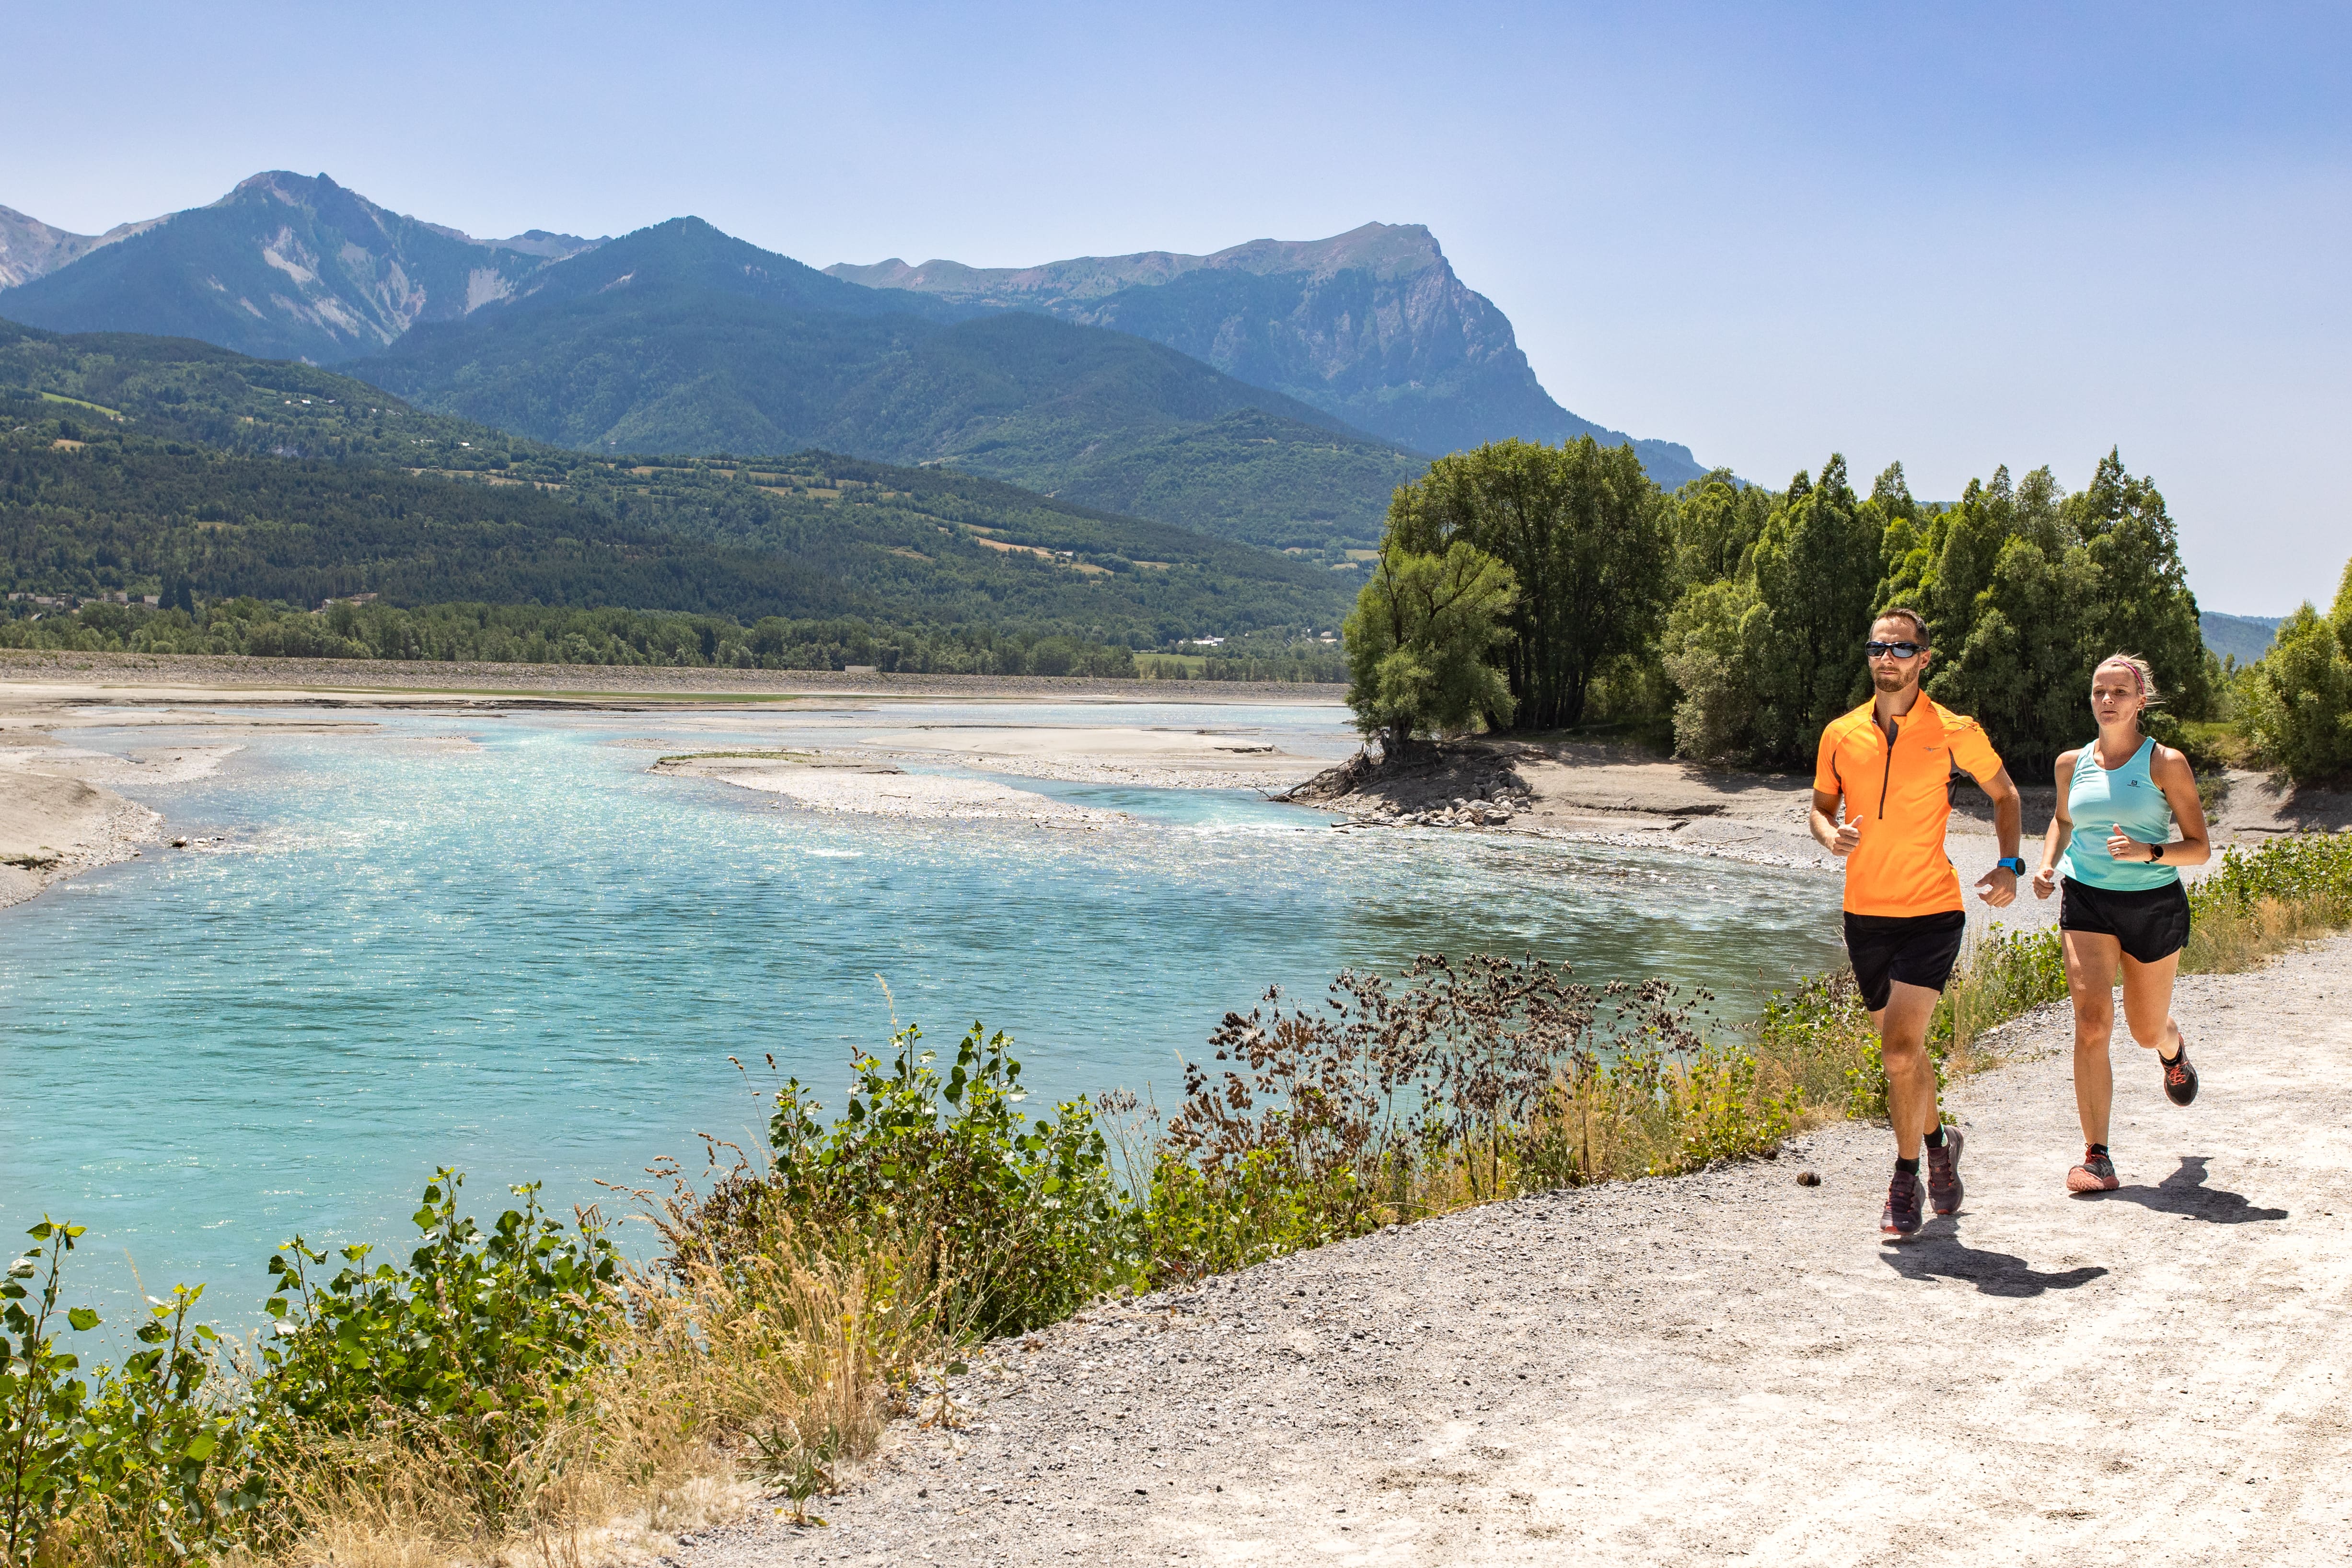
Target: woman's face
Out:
[2115,694]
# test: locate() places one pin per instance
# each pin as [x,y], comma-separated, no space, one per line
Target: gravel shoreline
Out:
[226,672]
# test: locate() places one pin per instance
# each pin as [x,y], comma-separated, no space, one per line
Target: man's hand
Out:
[2045,881]
[1998,888]
[1848,840]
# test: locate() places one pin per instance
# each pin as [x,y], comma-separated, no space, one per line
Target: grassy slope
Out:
[304,447]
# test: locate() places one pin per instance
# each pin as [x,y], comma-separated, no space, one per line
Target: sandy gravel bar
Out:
[1728,1367]
[222,677]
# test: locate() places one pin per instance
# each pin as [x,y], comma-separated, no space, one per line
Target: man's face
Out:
[1889,670]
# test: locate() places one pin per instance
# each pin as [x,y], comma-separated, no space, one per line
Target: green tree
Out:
[2298,698]
[1421,641]
[1586,536]
[1816,567]
[2028,589]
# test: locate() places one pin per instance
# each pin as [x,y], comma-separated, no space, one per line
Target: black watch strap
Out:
[2155,853]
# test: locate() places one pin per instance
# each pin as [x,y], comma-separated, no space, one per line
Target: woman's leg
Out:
[2091,959]
[2148,1003]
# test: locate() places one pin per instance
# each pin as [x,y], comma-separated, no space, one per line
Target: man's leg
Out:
[1910,1076]
[2091,959]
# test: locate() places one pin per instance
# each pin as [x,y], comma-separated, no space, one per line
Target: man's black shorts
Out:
[1917,949]
[2152,923]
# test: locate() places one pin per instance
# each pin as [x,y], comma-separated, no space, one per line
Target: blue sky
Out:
[1958,236]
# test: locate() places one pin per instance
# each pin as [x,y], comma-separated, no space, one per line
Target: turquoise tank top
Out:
[2100,800]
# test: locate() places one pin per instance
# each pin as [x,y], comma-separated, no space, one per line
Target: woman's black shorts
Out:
[2151,924]
[1917,949]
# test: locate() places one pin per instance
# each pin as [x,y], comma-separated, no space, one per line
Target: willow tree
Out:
[1586,535]
[1421,641]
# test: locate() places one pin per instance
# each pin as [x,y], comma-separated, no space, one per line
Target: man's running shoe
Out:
[1944,1173]
[2180,1077]
[2096,1173]
[1901,1216]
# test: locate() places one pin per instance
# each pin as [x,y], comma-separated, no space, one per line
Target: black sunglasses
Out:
[1899,649]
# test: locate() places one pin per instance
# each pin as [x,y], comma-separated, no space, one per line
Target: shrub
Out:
[142,1465]
[1022,1219]
[471,1349]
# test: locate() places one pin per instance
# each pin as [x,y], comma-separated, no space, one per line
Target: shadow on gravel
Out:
[2184,1192]
[1945,1256]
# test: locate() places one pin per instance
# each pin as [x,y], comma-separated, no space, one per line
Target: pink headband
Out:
[2138,685]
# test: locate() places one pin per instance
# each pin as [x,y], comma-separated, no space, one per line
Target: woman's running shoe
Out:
[2180,1077]
[2096,1173]
[1901,1214]
[1944,1173]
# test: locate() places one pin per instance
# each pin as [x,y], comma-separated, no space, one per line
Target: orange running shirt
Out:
[1899,792]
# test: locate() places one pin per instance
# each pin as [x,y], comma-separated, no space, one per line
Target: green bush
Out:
[477,1341]
[145,1458]
[1022,1219]
[2312,871]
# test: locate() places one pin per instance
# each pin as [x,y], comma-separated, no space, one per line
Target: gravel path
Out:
[1729,1366]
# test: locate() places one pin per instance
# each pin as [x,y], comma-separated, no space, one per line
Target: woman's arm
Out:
[2177,780]
[2054,842]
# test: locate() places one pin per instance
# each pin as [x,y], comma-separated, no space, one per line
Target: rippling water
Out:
[499,943]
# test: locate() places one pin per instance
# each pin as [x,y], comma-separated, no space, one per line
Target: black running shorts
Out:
[1917,949]
[2152,923]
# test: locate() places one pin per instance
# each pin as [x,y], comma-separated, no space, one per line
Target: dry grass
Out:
[2226,940]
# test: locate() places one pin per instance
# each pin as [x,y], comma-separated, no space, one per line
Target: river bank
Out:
[133,676]
[1725,1366]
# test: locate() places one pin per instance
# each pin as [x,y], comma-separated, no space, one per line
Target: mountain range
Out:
[1371,326]
[1275,393]
[283,267]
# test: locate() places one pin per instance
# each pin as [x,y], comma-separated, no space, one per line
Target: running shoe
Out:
[1944,1173]
[1901,1216]
[2096,1173]
[2180,1077]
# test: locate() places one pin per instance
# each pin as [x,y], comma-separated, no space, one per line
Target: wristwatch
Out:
[2013,864]
[2155,853]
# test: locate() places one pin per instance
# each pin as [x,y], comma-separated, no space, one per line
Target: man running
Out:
[1893,760]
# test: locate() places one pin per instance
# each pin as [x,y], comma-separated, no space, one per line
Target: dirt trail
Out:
[1730,1367]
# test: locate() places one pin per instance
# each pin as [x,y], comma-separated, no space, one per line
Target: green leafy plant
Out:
[42,1402]
[477,1341]
[1023,1218]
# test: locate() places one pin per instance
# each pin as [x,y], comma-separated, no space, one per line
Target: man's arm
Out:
[1998,887]
[1837,840]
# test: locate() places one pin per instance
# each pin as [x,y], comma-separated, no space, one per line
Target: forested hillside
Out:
[139,466]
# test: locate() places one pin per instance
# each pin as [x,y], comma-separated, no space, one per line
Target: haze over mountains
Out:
[1275,392]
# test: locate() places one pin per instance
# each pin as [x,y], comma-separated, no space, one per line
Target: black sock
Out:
[2094,1150]
[1909,1167]
[1935,1139]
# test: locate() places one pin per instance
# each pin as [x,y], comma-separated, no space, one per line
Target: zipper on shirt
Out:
[1892,728]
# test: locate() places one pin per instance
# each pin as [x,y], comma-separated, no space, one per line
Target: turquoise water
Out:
[518,953]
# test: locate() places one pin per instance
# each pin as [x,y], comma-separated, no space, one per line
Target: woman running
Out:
[2110,845]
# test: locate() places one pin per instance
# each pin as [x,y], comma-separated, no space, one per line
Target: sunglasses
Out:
[1899,649]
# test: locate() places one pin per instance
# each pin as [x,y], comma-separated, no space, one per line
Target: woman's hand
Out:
[2045,881]
[2122,845]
